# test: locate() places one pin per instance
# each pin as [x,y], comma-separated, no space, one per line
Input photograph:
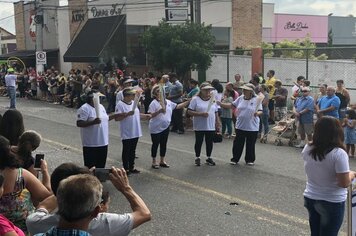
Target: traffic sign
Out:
[41,58]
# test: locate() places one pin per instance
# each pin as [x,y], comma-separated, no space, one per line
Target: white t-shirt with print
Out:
[321,175]
[94,135]
[130,126]
[162,121]
[245,113]
[201,123]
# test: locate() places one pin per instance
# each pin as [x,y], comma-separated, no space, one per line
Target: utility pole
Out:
[39,32]
[198,11]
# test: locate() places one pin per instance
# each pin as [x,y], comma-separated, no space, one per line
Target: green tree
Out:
[180,48]
[297,49]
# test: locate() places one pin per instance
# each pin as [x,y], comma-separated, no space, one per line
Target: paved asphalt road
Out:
[185,199]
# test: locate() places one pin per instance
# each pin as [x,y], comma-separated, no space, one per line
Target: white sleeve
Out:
[341,162]
[236,102]
[41,221]
[82,114]
[153,107]
[111,224]
[118,108]
[193,104]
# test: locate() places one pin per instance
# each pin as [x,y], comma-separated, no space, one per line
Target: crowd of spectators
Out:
[252,105]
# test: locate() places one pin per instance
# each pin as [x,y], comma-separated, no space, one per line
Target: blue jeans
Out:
[325,218]
[11,91]
[226,123]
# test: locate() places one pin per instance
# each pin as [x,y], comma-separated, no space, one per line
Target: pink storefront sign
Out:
[292,27]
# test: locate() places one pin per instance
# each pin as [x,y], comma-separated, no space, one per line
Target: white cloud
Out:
[318,7]
[7,9]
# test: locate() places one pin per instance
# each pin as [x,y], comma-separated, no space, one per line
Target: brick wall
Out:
[246,23]
[76,6]
[20,25]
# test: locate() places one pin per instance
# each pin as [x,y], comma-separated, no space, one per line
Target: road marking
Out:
[205,190]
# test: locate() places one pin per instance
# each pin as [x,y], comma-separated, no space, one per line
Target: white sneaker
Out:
[300,145]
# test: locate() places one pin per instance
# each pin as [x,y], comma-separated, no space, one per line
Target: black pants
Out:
[161,140]
[177,120]
[239,142]
[95,156]
[129,153]
[199,137]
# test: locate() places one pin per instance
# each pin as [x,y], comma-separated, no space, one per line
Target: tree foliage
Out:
[298,49]
[180,47]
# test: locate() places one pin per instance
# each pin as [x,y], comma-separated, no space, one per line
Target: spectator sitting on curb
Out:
[106,224]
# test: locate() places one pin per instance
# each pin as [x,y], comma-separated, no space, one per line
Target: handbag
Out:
[217,137]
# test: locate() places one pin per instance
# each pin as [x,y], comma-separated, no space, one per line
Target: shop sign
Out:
[97,12]
[78,15]
[296,26]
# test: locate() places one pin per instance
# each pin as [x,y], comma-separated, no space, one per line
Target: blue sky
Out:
[311,7]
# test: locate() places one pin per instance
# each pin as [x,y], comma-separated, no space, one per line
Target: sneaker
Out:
[210,162]
[180,132]
[250,163]
[197,161]
[135,171]
[233,161]
[300,145]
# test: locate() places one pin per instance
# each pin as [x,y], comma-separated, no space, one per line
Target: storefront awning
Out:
[92,39]
[29,54]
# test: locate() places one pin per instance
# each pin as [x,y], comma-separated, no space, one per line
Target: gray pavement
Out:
[185,199]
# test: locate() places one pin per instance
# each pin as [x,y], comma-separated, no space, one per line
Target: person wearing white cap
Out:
[10,82]
[249,107]
[159,124]
[304,111]
[205,121]
[130,128]
[127,83]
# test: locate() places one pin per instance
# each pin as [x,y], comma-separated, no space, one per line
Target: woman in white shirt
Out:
[328,175]
[159,125]
[249,107]
[204,110]
[130,128]
[94,130]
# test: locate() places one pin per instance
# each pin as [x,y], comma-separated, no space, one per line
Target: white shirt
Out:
[105,224]
[130,126]
[10,80]
[94,135]
[321,175]
[201,123]
[162,121]
[245,113]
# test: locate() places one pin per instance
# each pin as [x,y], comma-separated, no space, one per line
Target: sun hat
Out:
[248,86]
[206,85]
[128,91]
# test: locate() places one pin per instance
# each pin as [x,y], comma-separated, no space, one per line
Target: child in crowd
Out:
[6,226]
[226,114]
[349,125]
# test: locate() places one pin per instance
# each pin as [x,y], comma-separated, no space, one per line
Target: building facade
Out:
[7,41]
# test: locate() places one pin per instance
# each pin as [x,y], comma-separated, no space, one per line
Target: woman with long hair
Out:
[21,188]
[326,165]
[11,126]
[205,121]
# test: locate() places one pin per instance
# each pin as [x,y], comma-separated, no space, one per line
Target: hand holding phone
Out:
[102,173]
[38,159]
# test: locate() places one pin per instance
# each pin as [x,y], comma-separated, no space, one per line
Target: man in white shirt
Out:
[10,81]
[105,224]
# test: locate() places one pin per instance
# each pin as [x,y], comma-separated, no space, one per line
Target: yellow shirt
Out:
[270,83]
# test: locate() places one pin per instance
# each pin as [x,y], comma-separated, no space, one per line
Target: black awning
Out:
[92,39]
[29,54]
